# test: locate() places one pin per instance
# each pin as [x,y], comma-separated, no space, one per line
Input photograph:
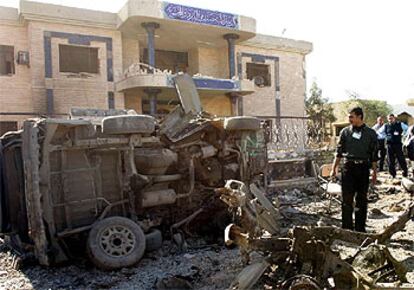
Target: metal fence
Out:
[287,133]
[293,134]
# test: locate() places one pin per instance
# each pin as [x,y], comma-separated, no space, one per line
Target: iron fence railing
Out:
[292,133]
[287,133]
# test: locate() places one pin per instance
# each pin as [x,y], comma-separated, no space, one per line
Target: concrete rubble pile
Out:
[304,259]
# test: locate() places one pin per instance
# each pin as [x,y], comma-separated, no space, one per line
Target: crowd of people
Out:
[392,137]
[362,147]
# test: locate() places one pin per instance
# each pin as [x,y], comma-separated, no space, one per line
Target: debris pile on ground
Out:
[211,267]
[215,267]
[305,256]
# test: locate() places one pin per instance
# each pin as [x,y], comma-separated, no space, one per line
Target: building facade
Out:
[54,58]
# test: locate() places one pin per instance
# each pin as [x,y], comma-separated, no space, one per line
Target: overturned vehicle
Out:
[113,185]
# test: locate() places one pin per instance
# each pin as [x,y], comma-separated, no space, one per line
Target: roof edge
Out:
[279,43]
[31,10]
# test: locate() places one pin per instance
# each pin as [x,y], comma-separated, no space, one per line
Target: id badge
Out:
[356,135]
[396,133]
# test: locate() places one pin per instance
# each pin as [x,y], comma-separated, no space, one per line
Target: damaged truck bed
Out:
[117,183]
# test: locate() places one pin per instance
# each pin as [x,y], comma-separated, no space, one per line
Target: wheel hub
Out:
[117,241]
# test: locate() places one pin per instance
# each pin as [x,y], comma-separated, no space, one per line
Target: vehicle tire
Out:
[128,124]
[115,242]
[153,240]
[241,123]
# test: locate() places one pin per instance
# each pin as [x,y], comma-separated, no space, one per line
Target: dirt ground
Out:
[213,266]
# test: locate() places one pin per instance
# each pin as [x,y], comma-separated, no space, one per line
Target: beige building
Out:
[54,58]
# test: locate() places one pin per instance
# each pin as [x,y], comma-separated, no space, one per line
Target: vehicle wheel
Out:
[115,242]
[241,123]
[128,124]
[153,240]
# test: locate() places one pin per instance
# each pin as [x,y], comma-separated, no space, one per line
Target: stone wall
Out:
[130,52]
[15,90]
[71,90]
[218,105]
[213,62]
[25,91]
[291,78]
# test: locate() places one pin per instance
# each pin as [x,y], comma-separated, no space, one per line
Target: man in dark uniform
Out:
[393,132]
[358,145]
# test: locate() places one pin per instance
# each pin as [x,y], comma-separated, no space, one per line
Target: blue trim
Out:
[109,60]
[278,113]
[111,100]
[216,84]
[79,39]
[49,101]
[239,65]
[259,56]
[200,16]
[213,84]
[47,42]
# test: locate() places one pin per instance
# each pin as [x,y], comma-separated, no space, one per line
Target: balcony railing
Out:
[146,75]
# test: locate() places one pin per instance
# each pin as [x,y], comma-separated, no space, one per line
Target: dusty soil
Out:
[213,266]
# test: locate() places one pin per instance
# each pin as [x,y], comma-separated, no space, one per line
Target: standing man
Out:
[358,145]
[394,131]
[381,152]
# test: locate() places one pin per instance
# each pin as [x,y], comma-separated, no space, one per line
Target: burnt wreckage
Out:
[113,184]
[117,183]
[304,259]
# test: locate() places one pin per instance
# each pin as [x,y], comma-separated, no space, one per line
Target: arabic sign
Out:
[201,16]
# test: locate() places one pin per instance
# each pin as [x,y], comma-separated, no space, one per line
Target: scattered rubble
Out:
[209,267]
[306,252]
[213,266]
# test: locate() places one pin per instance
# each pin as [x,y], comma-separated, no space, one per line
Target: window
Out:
[6,60]
[77,59]
[7,126]
[259,73]
[174,61]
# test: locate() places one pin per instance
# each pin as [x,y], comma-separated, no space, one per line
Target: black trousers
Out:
[382,152]
[395,151]
[355,184]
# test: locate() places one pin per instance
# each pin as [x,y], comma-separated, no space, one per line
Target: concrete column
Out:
[150,28]
[231,41]
[152,96]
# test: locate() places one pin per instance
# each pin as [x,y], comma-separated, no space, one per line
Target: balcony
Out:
[141,76]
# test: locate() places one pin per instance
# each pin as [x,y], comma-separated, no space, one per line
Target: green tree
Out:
[372,108]
[320,114]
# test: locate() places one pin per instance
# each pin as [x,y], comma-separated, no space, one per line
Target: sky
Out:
[364,47]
